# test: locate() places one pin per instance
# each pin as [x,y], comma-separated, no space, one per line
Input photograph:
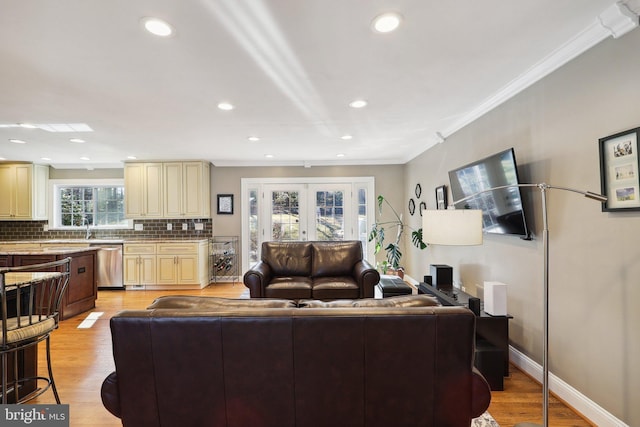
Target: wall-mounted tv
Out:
[502,211]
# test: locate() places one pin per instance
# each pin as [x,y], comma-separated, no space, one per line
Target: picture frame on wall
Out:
[619,167]
[441,197]
[225,204]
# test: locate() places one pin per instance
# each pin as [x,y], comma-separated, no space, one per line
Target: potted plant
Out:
[379,229]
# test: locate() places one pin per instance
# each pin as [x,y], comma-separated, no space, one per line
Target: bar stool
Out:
[30,298]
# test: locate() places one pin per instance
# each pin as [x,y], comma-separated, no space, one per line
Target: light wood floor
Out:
[82,358]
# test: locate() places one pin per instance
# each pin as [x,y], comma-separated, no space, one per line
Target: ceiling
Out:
[289,67]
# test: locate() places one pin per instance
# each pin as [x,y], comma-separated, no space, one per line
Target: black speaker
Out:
[442,275]
[427,280]
[474,305]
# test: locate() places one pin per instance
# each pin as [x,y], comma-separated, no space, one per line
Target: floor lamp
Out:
[464,227]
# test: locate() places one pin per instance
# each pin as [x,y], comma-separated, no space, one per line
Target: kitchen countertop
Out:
[48,251]
[101,241]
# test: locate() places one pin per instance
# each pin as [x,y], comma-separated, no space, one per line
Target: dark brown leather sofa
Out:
[217,363]
[319,270]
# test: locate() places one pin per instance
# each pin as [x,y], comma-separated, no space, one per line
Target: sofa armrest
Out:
[480,394]
[257,278]
[110,394]
[366,277]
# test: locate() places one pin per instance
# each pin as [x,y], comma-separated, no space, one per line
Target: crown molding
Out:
[617,20]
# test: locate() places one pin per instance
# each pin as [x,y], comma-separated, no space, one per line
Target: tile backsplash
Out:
[152,229]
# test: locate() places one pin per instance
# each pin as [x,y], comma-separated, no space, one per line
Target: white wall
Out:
[554,127]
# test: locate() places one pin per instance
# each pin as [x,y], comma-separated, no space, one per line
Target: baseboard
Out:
[578,401]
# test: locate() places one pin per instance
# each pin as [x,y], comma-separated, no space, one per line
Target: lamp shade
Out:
[456,227]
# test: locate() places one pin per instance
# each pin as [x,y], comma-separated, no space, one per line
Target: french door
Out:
[304,209]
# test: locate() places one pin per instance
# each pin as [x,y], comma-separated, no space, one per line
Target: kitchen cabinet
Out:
[82,290]
[23,190]
[139,265]
[167,189]
[186,189]
[166,265]
[179,264]
[143,190]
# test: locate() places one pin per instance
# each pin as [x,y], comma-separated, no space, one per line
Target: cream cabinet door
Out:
[131,269]
[196,183]
[186,190]
[173,190]
[7,189]
[167,272]
[143,190]
[147,269]
[187,269]
[23,191]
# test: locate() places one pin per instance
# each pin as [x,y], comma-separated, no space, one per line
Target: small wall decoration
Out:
[441,197]
[619,166]
[225,204]
[423,206]
[412,206]
[418,190]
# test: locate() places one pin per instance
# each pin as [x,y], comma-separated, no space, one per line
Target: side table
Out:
[391,287]
[491,331]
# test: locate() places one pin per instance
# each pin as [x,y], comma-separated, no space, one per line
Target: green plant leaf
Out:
[393,255]
[416,238]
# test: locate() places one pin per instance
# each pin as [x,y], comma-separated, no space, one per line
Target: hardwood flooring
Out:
[82,358]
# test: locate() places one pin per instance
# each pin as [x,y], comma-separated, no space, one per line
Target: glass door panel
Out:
[287,214]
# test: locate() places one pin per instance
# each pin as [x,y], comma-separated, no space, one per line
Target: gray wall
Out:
[389,180]
[554,127]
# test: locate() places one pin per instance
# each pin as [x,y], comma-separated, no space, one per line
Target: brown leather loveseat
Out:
[198,362]
[319,270]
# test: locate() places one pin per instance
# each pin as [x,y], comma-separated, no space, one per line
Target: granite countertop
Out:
[48,251]
[101,241]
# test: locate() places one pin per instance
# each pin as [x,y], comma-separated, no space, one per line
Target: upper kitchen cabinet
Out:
[23,191]
[167,189]
[143,190]
[187,190]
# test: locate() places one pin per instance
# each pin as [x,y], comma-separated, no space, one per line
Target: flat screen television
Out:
[502,210]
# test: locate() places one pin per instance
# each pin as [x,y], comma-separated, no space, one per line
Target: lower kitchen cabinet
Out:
[166,265]
[82,290]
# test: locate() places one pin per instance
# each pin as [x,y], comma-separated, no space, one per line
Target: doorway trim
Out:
[356,183]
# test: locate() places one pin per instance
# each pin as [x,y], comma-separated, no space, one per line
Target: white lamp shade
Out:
[457,227]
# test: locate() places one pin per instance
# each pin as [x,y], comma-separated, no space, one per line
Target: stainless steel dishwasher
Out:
[109,265]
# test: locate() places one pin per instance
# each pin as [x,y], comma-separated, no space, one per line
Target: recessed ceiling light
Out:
[2,158]
[358,103]
[346,137]
[253,138]
[340,155]
[28,126]
[17,141]
[225,106]
[77,140]
[269,156]
[157,27]
[45,158]
[131,157]
[387,22]
[84,158]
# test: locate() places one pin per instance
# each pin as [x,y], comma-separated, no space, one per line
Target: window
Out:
[99,205]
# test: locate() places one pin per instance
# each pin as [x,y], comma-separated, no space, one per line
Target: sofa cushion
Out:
[211,303]
[335,258]
[293,287]
[399,301]
[335,287]
[287,258]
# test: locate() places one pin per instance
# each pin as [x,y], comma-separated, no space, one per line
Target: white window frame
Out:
[356,183]
[54,202]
